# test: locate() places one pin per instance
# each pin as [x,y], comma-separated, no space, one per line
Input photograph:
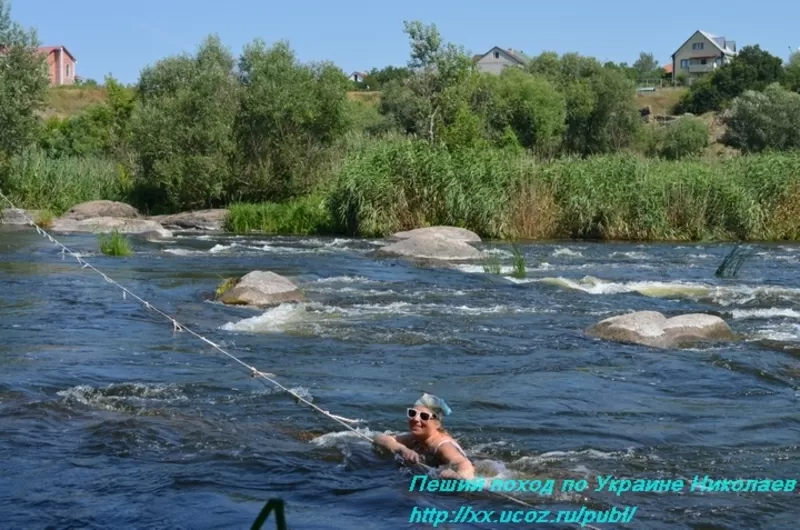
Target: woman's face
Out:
[419,426]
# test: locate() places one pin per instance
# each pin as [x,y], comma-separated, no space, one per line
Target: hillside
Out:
[661,101]
[71,100]
[68,101]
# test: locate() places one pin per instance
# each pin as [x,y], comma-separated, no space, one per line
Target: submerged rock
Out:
[452,233]
[94,209]
[652,328]
[430,247]
[261,289]
[104,225]
[209,220]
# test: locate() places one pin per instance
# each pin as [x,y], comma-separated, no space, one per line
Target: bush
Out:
[684,137]
[758,121]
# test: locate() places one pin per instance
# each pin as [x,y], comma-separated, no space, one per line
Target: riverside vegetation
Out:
[557,149]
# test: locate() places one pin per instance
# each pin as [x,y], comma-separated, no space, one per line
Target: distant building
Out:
[498,58]
[701,54]
[358,77]
[60,65]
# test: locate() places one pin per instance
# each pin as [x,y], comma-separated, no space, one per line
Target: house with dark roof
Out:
[60,65]
[498,58]
[701,54]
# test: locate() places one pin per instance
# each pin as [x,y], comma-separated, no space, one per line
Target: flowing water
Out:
[110,419]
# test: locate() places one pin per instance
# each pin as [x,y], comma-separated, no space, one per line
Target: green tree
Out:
[530,106]
[791,79]
[752,69]
[23,85]
[182,130]
[646,66]
[757,121]
[289,115]
[601,114]
[440,75]
[378,78]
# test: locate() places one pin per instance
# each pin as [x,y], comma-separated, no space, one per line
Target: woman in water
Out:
[427,442]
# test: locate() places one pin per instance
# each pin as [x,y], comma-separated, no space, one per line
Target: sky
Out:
[121,38]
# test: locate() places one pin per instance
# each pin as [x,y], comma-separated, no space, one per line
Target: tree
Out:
[376,78]
[183,129]
[23,85]
[752,69]
[530,106]
[600,102]
[646,66]
[439,75]
[289,113]
[791,78]
[757,121]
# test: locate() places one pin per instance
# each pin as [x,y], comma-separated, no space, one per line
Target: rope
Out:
[177,326]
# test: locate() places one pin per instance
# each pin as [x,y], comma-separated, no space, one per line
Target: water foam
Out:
[294,315]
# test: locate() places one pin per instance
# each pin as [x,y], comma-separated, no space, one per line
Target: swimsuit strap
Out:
[449,440]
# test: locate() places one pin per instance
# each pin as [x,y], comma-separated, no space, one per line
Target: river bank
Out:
[390,186]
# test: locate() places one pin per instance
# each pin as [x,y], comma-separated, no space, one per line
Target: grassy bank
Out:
[383,186]
[38,182]
[394,186]
[398,185]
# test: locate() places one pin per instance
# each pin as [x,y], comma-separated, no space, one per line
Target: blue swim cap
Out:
[436,404]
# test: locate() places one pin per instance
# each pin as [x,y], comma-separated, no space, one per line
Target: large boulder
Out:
[261,289]
[209,220]
[104,225]
[430,247]
[445,232]
[93,209]
[652,328]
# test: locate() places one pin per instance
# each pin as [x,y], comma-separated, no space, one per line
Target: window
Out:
[684,63]
[68,70]
[496,55]
[702,61]
[697,46]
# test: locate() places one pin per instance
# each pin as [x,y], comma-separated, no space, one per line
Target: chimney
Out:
[732,45]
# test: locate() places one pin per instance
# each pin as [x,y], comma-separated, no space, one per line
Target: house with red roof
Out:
[60,65]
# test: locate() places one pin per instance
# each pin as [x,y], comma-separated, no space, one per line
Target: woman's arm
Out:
[394,444]
[399,445]
[451,456]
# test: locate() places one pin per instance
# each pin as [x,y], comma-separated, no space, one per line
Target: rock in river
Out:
[430,247]
[208,220]
[94,209]
[652,328]
[452,233]
[260,289]
[142,227]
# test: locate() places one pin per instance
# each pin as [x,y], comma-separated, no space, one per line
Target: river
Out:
[111,419]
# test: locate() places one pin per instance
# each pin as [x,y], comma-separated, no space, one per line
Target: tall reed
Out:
[35,181]
[397,185]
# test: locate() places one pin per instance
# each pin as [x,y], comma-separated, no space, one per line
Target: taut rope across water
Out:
[177,326]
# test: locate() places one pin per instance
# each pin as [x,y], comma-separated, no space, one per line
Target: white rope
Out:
[180,327]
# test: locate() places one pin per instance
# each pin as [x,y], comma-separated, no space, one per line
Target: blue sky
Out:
[122,37]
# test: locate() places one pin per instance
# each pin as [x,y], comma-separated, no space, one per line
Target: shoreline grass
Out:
[393,184]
